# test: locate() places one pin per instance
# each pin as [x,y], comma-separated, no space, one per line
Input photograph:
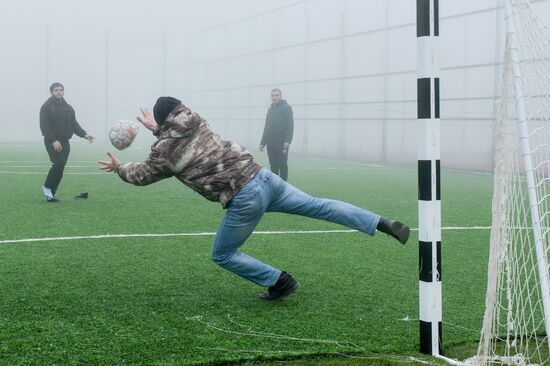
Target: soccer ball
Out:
[123,133]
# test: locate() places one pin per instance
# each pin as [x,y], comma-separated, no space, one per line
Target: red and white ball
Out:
[123,133]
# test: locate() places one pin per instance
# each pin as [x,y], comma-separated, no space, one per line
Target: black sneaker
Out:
[394,228]
[52,200]
[81,195]
[285,285]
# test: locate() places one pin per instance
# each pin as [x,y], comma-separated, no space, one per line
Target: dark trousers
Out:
[58,159]
[278,158]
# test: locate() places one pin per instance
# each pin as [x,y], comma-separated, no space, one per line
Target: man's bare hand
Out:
[57,146]
[147,119]
[90,138]
[111,165]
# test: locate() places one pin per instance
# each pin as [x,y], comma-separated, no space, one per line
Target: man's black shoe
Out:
[81,195]
[285,285]
[394,228]
[52,200]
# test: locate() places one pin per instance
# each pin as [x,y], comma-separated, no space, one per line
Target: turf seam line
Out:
[251,333]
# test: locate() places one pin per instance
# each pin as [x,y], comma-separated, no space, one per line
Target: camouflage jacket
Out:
[190,151]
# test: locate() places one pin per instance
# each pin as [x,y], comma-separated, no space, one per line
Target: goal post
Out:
[429,192]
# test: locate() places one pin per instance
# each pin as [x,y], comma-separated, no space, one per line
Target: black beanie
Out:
[163,107]
[55,85]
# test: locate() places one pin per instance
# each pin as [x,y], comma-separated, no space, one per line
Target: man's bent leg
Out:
[239,222]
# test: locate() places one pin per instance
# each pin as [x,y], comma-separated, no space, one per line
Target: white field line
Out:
[100,173]
[42,161]
[350,165]
[94,173]
[97,172]
[43,173]
[114,236]
[47,166]
[296,168]
[400,167]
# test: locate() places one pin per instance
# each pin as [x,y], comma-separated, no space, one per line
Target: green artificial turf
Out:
[162,301]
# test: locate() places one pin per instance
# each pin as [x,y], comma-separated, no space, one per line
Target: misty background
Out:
[347,67]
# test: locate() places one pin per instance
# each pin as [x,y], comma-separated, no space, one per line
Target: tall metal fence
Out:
[348,69]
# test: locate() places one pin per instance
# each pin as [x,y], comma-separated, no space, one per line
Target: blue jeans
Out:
[267,192]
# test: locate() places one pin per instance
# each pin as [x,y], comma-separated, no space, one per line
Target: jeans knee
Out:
[221,259]
[319,204]
[325,208]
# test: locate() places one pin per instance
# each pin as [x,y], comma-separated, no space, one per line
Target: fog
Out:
[347,67]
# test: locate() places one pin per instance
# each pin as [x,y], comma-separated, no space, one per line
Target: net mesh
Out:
[514,331]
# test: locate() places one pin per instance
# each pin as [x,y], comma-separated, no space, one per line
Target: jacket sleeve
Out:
[45,124]
[264,136]
[155,168]
[79,131]
[289,119]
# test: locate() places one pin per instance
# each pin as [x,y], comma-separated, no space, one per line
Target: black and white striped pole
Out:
[429,192]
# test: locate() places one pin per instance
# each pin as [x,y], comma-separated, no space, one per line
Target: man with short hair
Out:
[58,124]
[278,132]
[226,172]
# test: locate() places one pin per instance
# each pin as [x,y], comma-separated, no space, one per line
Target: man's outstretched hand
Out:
[109,166]
[90,138]
[147,119]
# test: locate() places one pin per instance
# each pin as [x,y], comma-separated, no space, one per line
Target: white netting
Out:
[514,331]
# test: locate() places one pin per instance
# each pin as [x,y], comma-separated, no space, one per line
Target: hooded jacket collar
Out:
[54,100]
[280,102]
[179,123]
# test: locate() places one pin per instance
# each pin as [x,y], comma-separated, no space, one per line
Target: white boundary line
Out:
[114,236]
[91,167]
[93,173]
[351,165]
[43,161]
[44,173]
[46,166]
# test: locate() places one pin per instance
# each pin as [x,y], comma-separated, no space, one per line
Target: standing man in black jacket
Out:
[58,124]
[278,131]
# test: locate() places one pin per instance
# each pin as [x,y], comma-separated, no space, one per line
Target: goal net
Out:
[517,305]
